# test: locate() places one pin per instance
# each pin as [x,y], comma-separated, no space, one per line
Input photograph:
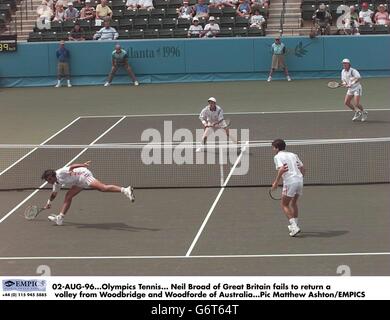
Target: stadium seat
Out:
[126,23]
[131,14]
[216,12]
[366,29]
[169,23]
[161,4]
[183,23]
[117,14]
[34,37]
[136,34]
[151,34]
[256,32]
[166,33]
[143,13]
[175,3]
[155,23]
[225,32]
[226,22]
[180,33]
[241,22]
[240,32]
[171,13]
[381,29]
[157,13]
[140,23]
[229,12]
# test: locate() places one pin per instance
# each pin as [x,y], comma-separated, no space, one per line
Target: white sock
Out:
[61,215]
[293,222]
[58,82]
[123,190]
[68,81]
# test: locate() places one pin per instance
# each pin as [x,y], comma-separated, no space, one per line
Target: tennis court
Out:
[204,231]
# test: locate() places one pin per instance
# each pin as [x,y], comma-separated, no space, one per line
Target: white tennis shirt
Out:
[347,77]
[211,116]
[293,163]
[66,178]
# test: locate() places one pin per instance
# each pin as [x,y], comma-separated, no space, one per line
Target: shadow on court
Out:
[322,234]
[109,226]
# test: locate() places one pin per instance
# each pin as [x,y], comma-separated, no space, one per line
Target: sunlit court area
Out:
[160,142]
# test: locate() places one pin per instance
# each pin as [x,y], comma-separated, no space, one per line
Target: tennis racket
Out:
[32,212]
[227,123]
[275,194]
[334,84]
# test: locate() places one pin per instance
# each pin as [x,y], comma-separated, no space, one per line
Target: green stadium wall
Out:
[196,60]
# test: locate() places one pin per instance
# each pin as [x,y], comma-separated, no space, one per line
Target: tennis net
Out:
[327,162]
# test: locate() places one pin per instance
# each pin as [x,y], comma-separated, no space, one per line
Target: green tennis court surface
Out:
[237,231]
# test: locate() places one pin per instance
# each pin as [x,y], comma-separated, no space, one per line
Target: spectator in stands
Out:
[145,4]
[77,33]
[381,17]
[243,9]
[132,4]
[278,50]
[60,13]
[365,15]
[103,10]
[63,56]
[185,11]
[120,59]
[201,10]
[322,20]
[211,29]
[45,13]
[195,29]
[88,12]
[257,20]
[71,13]
[106,33]
[351,22]
[220,3]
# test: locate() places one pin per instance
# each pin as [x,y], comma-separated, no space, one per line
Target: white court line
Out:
[233,113]
[215,202]
[281,255]
[78,155]
[47,140]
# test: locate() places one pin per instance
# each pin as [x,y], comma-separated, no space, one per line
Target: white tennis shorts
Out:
[220,125]
[85,179]
[292,189]
[356,92]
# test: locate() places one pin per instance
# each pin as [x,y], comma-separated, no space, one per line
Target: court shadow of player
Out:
[109,226]
[322,234]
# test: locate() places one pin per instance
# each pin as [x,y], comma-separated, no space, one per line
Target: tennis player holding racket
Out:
[350,79]
[290,169]
[212,118]
[77,177]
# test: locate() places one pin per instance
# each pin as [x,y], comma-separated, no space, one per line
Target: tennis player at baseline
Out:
[350,78]
[77,177]
[211,117]
[291,169]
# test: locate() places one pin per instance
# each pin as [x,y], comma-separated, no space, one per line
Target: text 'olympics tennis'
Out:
[183,147]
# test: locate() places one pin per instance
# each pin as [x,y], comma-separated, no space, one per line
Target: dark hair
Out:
[279,144]
[48,173]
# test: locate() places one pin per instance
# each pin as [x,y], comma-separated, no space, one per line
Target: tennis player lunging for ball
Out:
[350,79]
[77,177]
[212,118]
[291,169]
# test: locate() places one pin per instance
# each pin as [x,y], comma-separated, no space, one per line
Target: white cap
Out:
[195,19]
[87,1]
[212,99]
[211,18]
[346,61]
[70,3]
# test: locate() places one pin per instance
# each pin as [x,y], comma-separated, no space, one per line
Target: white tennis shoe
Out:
[294,230]
[136,83]
[107,84]
[129,192]
[364,116]
[269,79]
[357,115]
[288,78]
[57,219]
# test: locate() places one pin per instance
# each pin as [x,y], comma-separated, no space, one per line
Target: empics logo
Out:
[24,285]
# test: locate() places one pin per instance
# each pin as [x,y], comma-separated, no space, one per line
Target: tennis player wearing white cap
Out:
[350,79]
[77,177]
[211,117]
